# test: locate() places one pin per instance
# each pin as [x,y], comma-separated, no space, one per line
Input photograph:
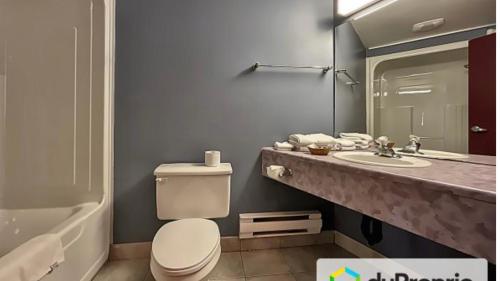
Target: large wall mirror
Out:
[424,68]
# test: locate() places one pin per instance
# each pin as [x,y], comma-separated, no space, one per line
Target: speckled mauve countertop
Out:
[450,202]
[460,177]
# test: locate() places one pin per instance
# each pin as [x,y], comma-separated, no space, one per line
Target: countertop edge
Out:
[461,190]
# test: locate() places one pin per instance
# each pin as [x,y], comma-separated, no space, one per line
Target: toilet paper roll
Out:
[212,158]
[275,171]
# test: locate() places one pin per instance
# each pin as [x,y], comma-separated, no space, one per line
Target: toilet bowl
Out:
[187,250]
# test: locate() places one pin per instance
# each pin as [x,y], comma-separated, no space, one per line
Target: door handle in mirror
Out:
[477,129]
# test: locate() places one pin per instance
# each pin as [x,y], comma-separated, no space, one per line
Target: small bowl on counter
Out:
[319,149]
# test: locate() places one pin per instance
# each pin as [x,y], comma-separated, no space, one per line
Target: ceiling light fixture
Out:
[427,25]
[373,9]
[348,7]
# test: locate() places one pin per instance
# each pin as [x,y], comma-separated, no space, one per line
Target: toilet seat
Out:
[185,246]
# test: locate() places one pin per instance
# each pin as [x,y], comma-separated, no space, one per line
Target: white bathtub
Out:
[82,228]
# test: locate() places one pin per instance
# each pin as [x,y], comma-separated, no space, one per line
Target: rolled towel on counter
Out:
[283,146]
[365,137]
[300,140]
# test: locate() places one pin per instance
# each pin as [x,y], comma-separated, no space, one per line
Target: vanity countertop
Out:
[449,202]
[473,177]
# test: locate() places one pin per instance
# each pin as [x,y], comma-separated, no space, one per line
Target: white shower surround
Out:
[373,62]
[84,227]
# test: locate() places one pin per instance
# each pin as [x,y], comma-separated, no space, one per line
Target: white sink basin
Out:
[369,158]
[434,154]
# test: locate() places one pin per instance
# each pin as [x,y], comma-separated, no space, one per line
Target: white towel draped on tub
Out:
[33,259]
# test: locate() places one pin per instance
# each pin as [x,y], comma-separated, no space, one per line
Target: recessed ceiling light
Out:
[348,7]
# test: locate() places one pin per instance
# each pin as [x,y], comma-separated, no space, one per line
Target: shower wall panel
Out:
[51,61]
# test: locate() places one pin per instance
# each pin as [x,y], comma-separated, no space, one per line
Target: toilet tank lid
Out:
[192,169]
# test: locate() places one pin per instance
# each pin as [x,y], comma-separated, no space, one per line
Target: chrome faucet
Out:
[385,148]
[413,145]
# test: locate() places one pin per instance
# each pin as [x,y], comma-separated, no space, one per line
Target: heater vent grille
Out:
[271,224]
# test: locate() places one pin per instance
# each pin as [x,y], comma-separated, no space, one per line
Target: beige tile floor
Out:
[286,264]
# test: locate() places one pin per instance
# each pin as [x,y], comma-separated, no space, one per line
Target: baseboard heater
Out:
[271,224]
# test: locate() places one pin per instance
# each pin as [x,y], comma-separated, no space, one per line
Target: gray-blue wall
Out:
[350,54]
[182,88]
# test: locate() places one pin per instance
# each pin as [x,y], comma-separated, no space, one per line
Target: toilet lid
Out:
[185,244]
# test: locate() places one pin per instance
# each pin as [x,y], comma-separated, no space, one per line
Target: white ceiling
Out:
[393,23]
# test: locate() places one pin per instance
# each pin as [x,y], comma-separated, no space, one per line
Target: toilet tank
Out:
[186,190]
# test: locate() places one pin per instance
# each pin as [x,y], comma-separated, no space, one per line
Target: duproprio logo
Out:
[345,270]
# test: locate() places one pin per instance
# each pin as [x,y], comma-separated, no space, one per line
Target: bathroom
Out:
[102,99]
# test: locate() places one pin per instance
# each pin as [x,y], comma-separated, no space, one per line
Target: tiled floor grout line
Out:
[243,266]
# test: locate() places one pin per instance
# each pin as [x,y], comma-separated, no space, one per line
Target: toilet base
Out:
[161,275]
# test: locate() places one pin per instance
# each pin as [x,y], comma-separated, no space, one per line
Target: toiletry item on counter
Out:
[212,158]
[286,146]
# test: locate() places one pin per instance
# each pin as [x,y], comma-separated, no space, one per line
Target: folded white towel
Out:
[322,139]
[300,140]
[283,146]
[348,148]
[356,140]
[365,137]
[362,146]
[344,142]
[32,260]
[305,140]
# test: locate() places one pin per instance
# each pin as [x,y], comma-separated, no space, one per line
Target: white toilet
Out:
[188,249]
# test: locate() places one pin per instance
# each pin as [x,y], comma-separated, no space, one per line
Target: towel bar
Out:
[344,71]
[324,69]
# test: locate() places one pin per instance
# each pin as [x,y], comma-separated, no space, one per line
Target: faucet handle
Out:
[383,141]
[414,138]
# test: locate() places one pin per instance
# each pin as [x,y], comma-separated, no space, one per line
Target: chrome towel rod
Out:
[344,71]
[324,69]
